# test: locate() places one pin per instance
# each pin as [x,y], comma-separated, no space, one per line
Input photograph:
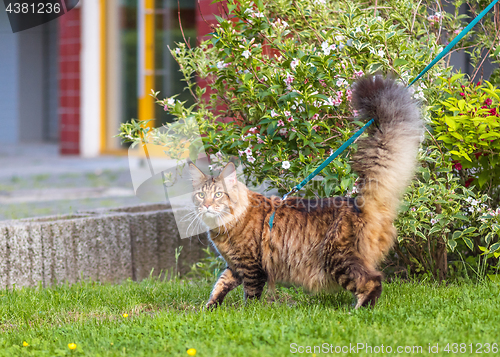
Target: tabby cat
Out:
[319,244]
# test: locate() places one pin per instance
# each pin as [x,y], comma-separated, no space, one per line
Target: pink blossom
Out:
[315,116]
[248,151]
[315,127]
[289,79]
[290,119]
[259,140]
[355,112]
[293,129]
[253,130]
[488,101]
[251,159]
[280,123]
[359,73]
[165,108]
[273,113]
[287,113]
[462,94]
[283,132]
[349,95]
[458,166]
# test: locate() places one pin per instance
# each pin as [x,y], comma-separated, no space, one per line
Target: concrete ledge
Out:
[108,245]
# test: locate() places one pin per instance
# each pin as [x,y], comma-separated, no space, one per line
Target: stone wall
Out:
[103,245]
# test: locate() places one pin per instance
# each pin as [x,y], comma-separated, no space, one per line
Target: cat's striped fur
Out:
[319,244]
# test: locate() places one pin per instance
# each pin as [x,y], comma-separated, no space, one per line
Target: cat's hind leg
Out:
[227,281]
[350,272]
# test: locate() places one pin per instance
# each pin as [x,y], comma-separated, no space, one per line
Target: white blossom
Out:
[221,65]
[341,82]
[285,165]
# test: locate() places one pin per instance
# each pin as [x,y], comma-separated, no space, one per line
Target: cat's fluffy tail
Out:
[385,160]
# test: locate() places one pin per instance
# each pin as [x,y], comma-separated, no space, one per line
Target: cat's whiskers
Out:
[195,219]
[188,216]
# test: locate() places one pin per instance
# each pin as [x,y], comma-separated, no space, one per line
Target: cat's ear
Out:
[197,176]
[229,175]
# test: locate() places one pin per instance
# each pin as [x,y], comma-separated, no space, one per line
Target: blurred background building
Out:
[74,80]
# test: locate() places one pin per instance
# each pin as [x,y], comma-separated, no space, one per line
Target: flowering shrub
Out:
[467,123]
[441,217]
[280,85]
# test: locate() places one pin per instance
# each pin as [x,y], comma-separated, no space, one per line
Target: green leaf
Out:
[490,92]
[452,244]
[469,230]
[421,235]
[488,238]
[271,128]
[374,67]
[468,242]
[483,178]
[288,97]
[434,229]
[461,104]
[399,62]
[494,277]
[457,234]
[456,76]
[494,247]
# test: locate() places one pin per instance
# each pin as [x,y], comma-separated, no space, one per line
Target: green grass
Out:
[167,318]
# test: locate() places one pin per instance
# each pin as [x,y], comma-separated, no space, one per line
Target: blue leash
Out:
[360,131]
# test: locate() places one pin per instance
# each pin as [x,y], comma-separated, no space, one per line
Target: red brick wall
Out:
[205,17]
[69,82]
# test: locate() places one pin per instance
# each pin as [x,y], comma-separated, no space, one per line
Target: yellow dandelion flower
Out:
[25,344]
[71,346]
[125,315]
[191,352]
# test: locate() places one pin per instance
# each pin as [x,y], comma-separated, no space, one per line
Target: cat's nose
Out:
[207,206]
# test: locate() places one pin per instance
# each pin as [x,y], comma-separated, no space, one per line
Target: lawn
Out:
[166,318]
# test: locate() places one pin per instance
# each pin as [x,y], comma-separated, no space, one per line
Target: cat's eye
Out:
[218,194]
[201,194]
